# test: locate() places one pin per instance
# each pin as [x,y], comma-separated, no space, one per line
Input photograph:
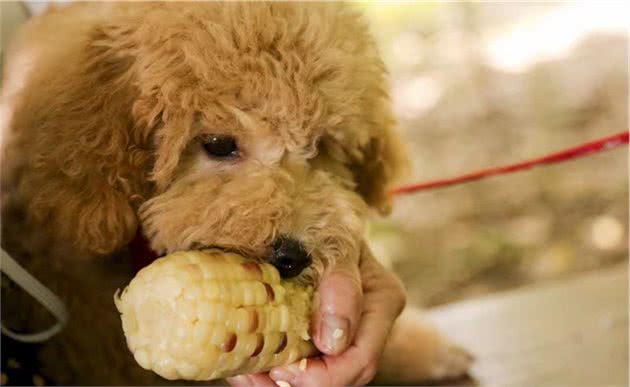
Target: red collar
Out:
[141,253]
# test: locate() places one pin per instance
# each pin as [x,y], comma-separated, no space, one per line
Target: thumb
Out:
[338,307]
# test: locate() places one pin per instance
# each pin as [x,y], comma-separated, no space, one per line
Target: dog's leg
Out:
[417,353]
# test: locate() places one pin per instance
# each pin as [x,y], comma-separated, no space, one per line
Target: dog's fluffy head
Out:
[122,120]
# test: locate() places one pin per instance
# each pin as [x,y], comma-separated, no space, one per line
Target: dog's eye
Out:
[221,146]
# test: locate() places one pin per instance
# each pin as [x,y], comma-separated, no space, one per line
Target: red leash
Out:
[588,148]
[143,255]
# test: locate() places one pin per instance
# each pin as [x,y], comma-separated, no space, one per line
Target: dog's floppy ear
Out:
[382,158]
[383,164]
[75,133]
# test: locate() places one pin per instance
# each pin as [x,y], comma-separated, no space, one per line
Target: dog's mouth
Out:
[248,253]
[143,255]
[286,254]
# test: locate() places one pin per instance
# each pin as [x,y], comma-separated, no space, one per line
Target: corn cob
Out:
[203,315]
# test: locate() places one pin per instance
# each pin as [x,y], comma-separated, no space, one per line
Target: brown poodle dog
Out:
[202,124]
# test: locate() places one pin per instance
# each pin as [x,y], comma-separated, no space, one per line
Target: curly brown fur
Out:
[108,105]
[137,85]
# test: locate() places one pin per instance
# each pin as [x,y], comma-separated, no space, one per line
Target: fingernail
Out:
[303,364]
[334,333]
[282,383]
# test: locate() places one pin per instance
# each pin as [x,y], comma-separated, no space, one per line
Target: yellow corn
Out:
[203,315]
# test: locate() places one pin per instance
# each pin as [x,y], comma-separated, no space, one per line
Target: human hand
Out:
[357,308]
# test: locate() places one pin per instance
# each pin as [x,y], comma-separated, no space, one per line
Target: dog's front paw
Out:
[416,353]
[450,362]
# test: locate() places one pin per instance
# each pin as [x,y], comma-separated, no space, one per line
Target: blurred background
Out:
[482,84]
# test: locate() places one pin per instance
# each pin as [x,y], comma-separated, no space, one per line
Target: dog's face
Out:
[242,184]
[263,128]
[244,188]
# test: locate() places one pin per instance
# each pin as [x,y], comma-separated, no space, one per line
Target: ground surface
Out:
[479,85]
[540,335]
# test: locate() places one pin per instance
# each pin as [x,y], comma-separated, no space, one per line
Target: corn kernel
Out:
[207,314]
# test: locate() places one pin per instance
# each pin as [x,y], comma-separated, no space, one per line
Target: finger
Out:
[384,291]
[315,374]
[353,367]
[383,301]
[252,380]
[239,381]
[358,365]
[338,307]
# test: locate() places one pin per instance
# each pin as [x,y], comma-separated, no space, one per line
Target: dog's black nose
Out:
[289,256]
